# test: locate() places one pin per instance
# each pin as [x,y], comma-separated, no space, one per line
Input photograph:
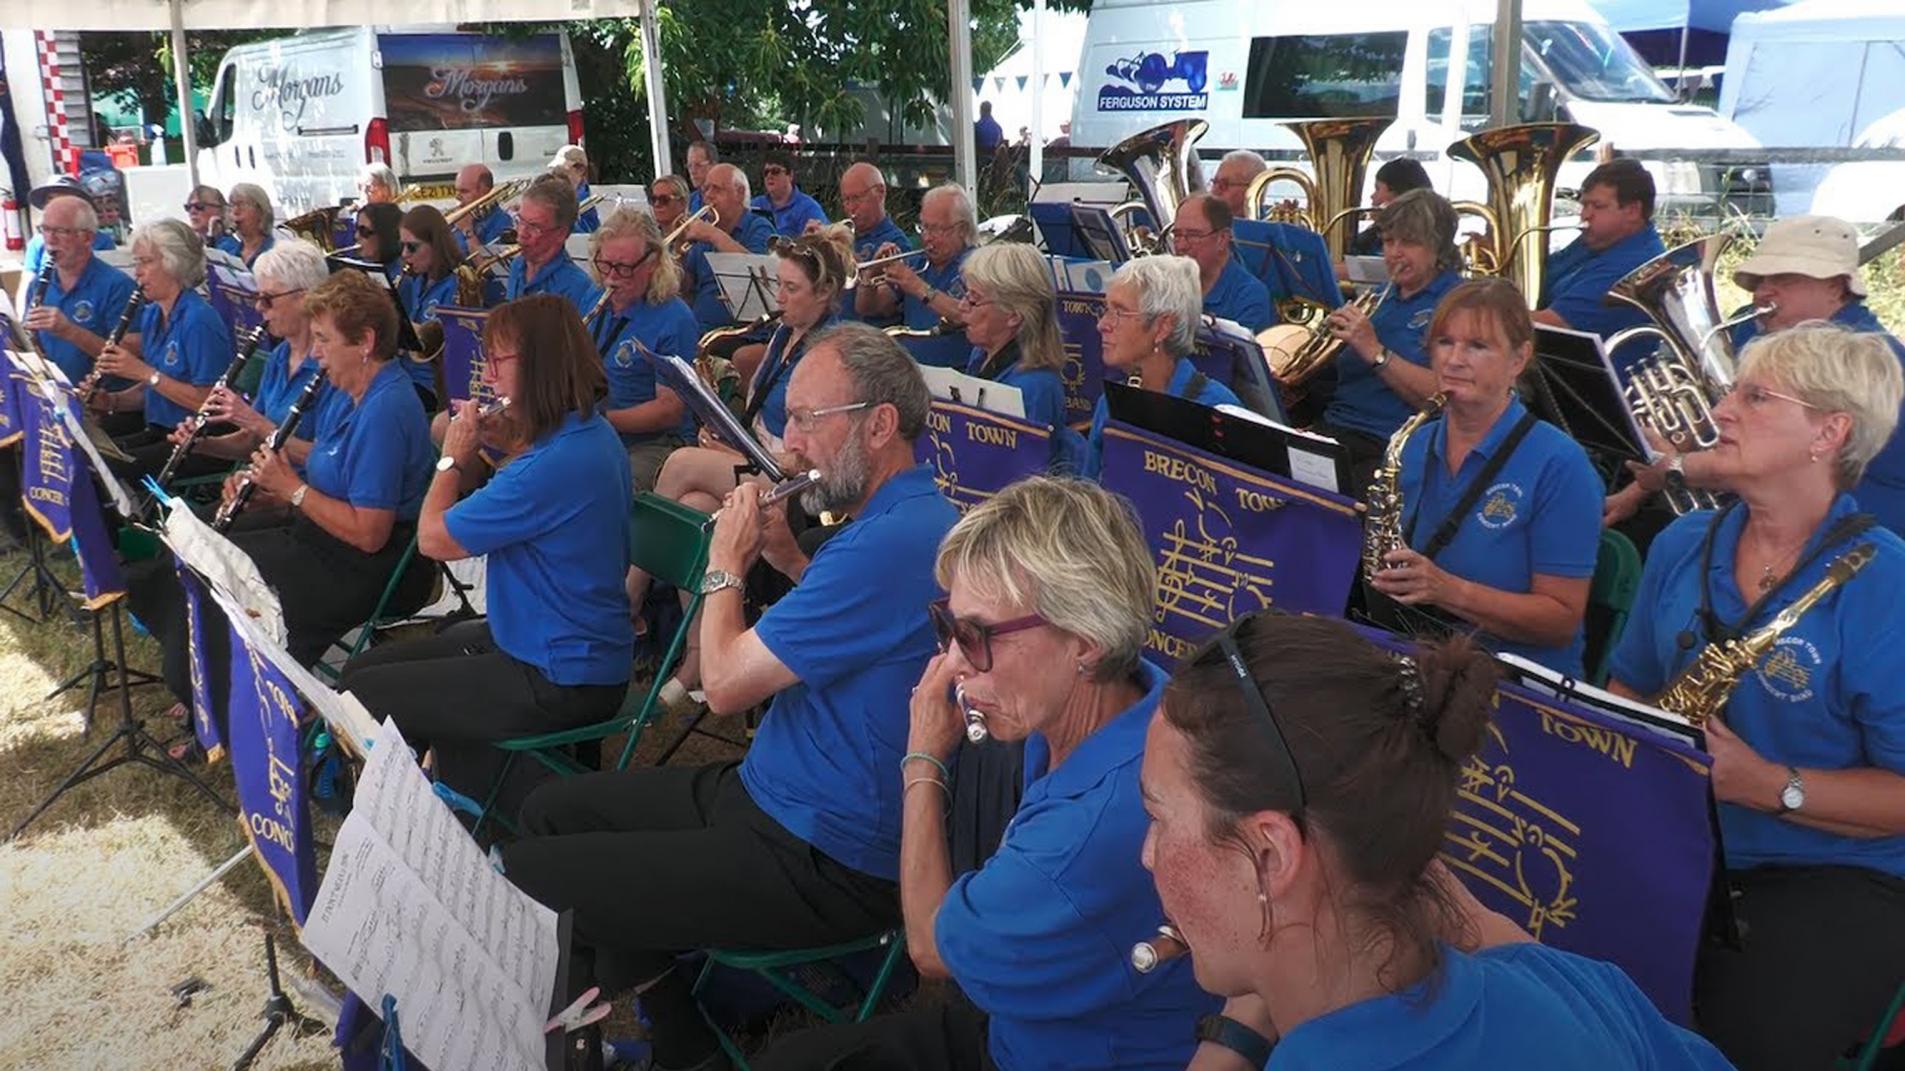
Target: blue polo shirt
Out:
[946,351]
[1579,279]
[866,246]
[825,764]
[554,523]
[1039,937]
[491,227]
[279,387]
[375,454]
[587,221]
[775,372]
[95,302]
[231,243]
[753,233]
[421,296]
[1517,1005]
[35,255]
[668,330]
[791,219]
[1214,394]
[192,345]
[1041,389]
[1363,402]
[1542,514]
[1826,697]
[1240,296]
[1882,492]
[559,276]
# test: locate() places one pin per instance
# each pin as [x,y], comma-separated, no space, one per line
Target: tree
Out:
[142,63]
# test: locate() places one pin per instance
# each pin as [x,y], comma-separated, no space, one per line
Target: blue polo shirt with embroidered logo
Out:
[1579,279]
[1363,402]
[1240,296]
[668,330]
[95,302]
[192,345]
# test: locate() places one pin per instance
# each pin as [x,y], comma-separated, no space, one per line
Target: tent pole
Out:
[1504,97]
[182,82]
[1035,168]
[959,38]
[657,88]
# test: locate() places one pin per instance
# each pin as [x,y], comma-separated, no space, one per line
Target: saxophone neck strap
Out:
[1712,627]
[1452,523]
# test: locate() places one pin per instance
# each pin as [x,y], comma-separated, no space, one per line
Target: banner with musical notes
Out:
[1593,835]
[59,495]
[1229,540]
[264,731]
[463,361]
[974,453]
[203,726]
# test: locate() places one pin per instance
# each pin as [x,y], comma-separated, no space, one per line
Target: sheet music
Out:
[411,907]
[1540,678]
[747,282]
[1314,467]
[956,386]
[680,376]
[1080,276]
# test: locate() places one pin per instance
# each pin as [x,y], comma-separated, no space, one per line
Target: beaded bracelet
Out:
[911,755]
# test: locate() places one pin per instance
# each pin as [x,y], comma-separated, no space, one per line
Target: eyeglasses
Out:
[494,359]
[619,269]
[808,419]
[200,206]
[1115,315]
[1259,704]
[973,301]
[411,247]
[264,300]
[973,637]
[62,232]
[1756,396]
[938,228]
[1190,236]
[861,195]
[524,226]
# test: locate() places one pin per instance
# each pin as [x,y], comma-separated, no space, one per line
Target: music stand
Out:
[679,376]
[742,278]
[1253,441]
[1577,390]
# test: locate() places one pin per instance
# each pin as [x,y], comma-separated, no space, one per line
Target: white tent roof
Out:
[261,14]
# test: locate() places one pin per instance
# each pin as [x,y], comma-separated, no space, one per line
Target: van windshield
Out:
[1594,63]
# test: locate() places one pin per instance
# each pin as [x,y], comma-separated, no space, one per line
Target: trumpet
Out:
[976,730]
[1162,947]
[89,386]
[677,244]
[857,273]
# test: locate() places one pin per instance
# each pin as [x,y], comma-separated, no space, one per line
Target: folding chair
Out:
[1610,599]
[378,617]
[778,970]
[1889,1034]
[668,541]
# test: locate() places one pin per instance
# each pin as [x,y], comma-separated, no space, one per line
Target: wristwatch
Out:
[1235,1036]
[1676,476]
[1793,796]
[1381,358]
[446,463]
[715,579]
[297,496]
[153,380]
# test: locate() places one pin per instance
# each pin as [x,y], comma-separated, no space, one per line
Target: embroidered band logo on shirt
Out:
[625,354]
[83,312]
[1502,505]
[1420,321]
[171,354]
[1786,673]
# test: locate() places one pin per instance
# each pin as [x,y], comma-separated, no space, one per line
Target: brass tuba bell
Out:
[1163,167]
[1521,163]
[1339,152]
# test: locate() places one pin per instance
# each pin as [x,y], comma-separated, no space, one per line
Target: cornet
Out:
[976,730]
[677,244]
[859,275]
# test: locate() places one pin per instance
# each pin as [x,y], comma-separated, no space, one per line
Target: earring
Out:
[1814,455]
[1081,668]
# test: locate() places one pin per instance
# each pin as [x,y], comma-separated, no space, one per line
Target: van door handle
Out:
[506,145]
[1412,141]
[252,154]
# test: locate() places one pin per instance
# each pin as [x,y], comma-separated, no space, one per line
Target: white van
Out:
[1246,67]
[301,115]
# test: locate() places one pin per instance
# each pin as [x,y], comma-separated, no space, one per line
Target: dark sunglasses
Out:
[773,169]
[1258,703]
[264,300]
[200,206]
[973,637]
[408,247]
[663,199]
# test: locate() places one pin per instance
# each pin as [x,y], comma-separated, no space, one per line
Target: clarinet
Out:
[228,512]
[36,295]
[247,347]
[90,385]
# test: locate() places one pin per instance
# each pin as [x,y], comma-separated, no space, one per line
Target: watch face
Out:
[1792,797]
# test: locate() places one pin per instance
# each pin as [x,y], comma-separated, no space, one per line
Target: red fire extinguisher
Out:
[16,236]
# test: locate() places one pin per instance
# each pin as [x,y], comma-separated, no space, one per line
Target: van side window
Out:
[1317,76]
[1475,74]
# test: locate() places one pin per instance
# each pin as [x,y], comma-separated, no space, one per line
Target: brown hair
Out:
[1629,181]
[1378,743]
[428,224]
[355,305]
[821,256]
[1496,300]
[559,372]
[555,192]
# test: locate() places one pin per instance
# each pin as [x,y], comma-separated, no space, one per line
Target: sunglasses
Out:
[1258,703]
[773,169]
[264,300]
[200,206]
[409,247]
[973,637]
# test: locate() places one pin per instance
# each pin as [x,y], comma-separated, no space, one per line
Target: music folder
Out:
[1577,390]
[1227,431]
[713,414]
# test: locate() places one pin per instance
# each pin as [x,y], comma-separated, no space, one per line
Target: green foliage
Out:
[142,62]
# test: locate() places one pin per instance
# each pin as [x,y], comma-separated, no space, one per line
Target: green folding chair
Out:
[1610,600]
[669,542]
[379,618]
[1889,1034]
[779,969]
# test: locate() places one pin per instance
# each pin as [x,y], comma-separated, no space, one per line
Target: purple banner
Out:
[264,739]
[1084,370]
[463,353]
[233,301]
[59,493]
[974,453]
[1593,835]
[12,428]
[1229,540]
[203,724]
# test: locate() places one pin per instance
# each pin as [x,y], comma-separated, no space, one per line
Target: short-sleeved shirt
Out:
[1579,279]
[376,453]
[1213,394]
[587,221]
[231,243]
[1039,936]
[866,246]
[790,220]
[854,630]
[1540,514]
[753,232]
[559,276]
[554,523]
[1240,296]
[1041,389]
[491,227]
[421,295]
[946,351]
[1882,492]
[95,302]
[767,393]
[1515,1005]
[1826,697]
[279,387]
[668,330]
[1363,402]
[192,345]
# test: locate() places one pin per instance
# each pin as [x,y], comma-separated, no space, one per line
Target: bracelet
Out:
[927,781]
[929,296]
[1235,1036]
[911,755]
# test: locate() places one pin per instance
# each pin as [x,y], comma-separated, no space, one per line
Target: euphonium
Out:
[1521,163]
[1339,151]
[1382,527]
[318,226]
[1296,352]
[677,244]
[1163,167]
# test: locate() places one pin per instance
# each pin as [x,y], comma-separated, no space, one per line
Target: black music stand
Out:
[46,586]
[278,1012]
[1576,389]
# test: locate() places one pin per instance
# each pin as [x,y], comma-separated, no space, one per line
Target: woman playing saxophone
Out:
[1809,746]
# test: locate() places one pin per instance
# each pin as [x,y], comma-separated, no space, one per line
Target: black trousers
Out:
[457,692]
[663,860]
[1823,951]
[942,1036]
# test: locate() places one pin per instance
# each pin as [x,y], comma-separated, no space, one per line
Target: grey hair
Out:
[1019,281]
[1426,218]
[293,263]
[1167,285]
[86,216]
[554,193]
[883,372]
[1067,549]
[383,176]
[254,193]
[741,180]
[180,250]
[1836,370]
[567,156]
[963,213]
[1256,163]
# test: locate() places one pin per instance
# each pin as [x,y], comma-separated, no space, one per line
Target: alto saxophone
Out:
[1702,689]
[1382,526]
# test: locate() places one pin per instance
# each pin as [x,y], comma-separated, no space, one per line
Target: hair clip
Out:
[1410,678]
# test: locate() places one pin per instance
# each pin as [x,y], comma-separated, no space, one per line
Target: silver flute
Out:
[787,488]
[976,730]
[1163,947]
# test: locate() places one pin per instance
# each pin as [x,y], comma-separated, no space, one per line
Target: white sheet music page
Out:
[411,907]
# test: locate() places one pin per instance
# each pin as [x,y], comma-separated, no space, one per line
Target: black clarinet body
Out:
[90,385]
[198,421]
[287,427]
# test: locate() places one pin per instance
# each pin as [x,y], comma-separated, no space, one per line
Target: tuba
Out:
[1162,165]
[1521,163]
[318,226]
[1339,151]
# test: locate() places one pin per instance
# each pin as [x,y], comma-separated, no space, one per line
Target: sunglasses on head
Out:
[974,638]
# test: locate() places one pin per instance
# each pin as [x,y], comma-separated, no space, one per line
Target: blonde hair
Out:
[626,222]
[1167,285]
[1020,282]
[1069,550]
[1835,370]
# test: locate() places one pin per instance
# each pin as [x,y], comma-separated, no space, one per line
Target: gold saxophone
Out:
[1702,689]
[1382,526]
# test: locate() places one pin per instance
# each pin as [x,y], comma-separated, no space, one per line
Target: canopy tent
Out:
[1678,32]
[1816,73]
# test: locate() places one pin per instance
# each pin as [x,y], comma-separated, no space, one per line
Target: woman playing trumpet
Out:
[644,316]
